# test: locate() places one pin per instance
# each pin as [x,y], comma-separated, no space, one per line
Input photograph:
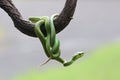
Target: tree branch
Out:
[27,27]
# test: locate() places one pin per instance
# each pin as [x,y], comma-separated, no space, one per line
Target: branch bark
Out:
[27,27]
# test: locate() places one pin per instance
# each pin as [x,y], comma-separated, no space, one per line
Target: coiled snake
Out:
[50,43]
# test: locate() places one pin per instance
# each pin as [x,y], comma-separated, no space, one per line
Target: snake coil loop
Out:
[50,43]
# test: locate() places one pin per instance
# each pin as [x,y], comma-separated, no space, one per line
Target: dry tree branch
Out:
[27,27]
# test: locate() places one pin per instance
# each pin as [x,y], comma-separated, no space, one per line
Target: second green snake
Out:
[50,43]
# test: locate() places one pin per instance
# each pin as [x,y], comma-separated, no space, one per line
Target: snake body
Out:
[50,43]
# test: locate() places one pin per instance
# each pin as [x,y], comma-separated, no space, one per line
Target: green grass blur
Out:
[102,64]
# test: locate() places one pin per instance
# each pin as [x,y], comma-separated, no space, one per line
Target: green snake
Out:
[50,43]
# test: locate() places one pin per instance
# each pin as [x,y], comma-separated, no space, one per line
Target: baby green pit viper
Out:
[50,43]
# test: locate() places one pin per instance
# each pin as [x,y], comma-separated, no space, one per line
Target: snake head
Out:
[77,56]
[74,58]
[34,19]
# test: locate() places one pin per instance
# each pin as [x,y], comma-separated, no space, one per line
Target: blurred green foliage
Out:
[102,64]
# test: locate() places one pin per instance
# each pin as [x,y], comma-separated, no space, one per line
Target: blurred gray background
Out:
[95,23]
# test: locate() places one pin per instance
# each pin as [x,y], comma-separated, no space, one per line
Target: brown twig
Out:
[27,27]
